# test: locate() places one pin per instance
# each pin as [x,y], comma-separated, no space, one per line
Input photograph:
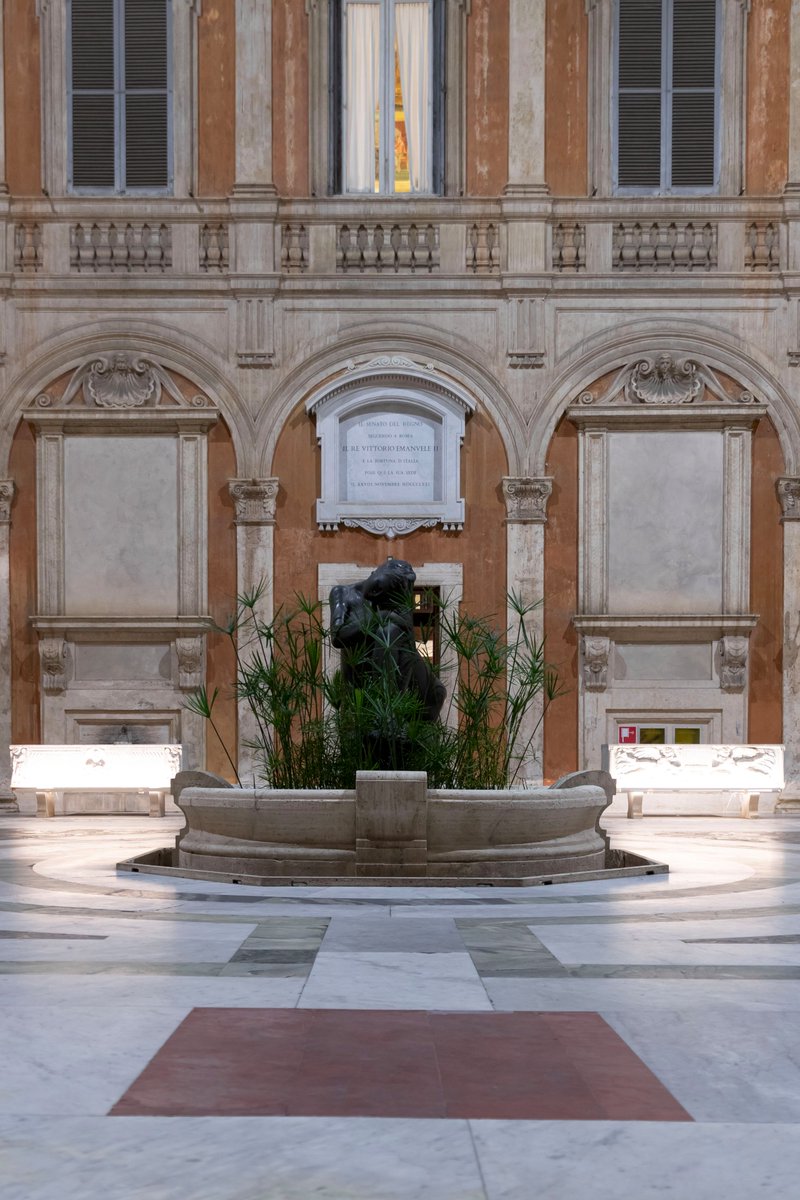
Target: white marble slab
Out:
[238,1158]
[375,980]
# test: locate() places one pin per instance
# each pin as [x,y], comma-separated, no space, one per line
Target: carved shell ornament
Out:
[664,380]
[121,382]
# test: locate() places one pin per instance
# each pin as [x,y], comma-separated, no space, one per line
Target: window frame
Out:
[120,92]
[447,69]
[666,93]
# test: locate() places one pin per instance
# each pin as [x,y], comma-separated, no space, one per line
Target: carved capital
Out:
[53,659]
[255,500]
[733,663]
[526,499]
[7,490]
[596,653]
[189,652]
[788,488]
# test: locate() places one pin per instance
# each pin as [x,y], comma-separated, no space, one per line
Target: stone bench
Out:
[743,771]
[110,770]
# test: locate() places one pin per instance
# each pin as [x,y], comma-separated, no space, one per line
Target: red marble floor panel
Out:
[331,1062]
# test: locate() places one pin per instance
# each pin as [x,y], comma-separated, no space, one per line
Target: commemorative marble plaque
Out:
[390,457]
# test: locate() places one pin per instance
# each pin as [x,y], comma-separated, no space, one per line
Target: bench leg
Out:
[750,803]
[157,802]
[635,800]
[45,804]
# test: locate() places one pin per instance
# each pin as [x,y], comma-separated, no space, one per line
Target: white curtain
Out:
[363,78]
[413,51]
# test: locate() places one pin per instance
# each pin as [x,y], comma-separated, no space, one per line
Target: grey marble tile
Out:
[367,934]
[380,980]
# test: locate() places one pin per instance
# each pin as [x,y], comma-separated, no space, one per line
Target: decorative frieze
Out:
[665,378]
[483,247]
[28,247]
[596,654]
[254,500]
[569,247]
[107,248]
[214,247]
[119,380]
[762,248]
[788,488]
[526,499]
[189,653]
[53,659]
[661,246]
[397,248]
[7,490]
[294,249]
[733,663]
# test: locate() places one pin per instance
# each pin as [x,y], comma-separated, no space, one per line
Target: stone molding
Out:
[596,654]
[53,659]
[664,378]
[788,489]
[7,490]
[254,500]
[526,499]
[733,663]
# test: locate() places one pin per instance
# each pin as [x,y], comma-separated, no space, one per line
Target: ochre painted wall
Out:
[561,601]
[216,125]
[481,547]
[765,712]
[22,96]
[221,661]
[487,98]
[566,168]
[25,673]
[290,97]
[767,137]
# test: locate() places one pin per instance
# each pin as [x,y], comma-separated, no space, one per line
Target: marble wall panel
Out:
[633,660]
[135,661]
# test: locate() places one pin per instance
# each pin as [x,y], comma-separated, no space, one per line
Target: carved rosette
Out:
[664,380]
[254,500]
[596,653]
[189,652]
[526,499]
[53,659]
[733,663]
[788,488]
[7,490]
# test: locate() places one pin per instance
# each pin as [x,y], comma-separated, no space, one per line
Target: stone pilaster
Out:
[254,501]
[793,184]
[3,184]
[788,488]
[254,98]
[526,74]
[8,801]
[526,515]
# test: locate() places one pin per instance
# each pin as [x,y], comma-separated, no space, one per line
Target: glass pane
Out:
[650,735]
[402,178]
[687,736]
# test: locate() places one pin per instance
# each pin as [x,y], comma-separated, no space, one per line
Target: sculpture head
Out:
[391,585]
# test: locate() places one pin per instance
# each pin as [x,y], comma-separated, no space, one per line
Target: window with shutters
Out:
[387,97]
[666,96]
[119,96]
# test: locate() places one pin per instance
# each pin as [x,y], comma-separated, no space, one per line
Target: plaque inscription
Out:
[390,457]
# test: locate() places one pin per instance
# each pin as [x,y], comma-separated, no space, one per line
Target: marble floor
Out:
[181,1040]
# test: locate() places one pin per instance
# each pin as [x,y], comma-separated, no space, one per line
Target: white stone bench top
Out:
[117,767]
[706,767]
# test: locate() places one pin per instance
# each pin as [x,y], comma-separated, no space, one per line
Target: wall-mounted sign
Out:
[390,433]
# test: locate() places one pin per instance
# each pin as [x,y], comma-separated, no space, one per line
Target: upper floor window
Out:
[667,96]
[390,102]
[119,96]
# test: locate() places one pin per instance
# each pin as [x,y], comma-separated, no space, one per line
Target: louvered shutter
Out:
[639,93]
[93,110]
[694,68]
[146,89]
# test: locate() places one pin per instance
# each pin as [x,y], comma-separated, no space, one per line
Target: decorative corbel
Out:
[7,490]
[733,663]
[596,653]
[189,653]
[788,488]
[53,659]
